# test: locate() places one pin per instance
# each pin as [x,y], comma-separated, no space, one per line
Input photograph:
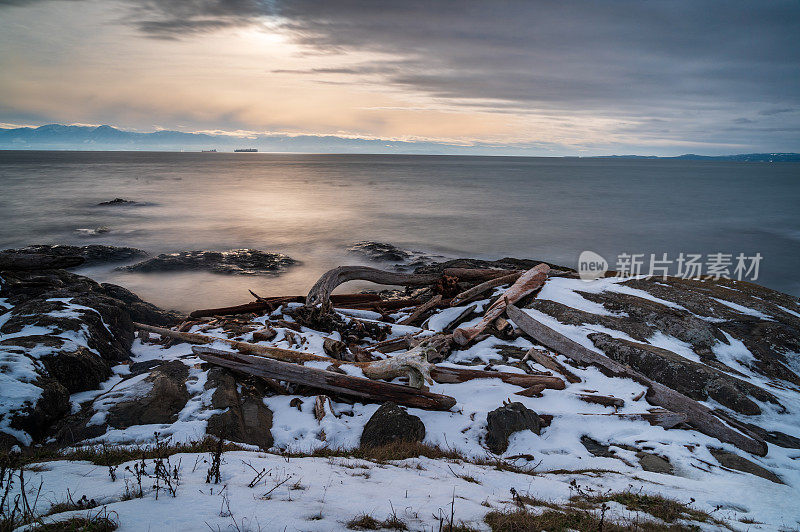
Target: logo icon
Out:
[591,266]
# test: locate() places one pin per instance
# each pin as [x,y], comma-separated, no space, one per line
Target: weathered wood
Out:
[447,374]
[322,289]
[657,417]
[550,363]
[37,261]
[533,391]
[604,400]
[472,293]
[455,322]
[422,309]
[527,283]
[698,416]
[271,303]
[358,387]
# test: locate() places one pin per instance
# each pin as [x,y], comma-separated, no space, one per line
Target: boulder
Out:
[158,398]
[244,417]
[390,424]
[654,463]
[505,421]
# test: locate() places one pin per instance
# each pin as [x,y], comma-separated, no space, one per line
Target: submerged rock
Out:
[384,252]
[235,261]
[93,254]
[505,421]
[391,424]
[116,201]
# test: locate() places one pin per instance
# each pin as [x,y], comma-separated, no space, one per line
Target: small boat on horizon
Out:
[209,151]
[247,150]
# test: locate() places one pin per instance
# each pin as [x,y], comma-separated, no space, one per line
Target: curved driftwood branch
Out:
[320,293]
[697,415]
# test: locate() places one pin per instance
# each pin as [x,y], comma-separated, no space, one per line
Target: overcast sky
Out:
[549,78]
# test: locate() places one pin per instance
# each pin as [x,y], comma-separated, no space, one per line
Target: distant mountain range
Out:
[62,137]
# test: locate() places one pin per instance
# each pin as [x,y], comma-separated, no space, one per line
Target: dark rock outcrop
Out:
[692,379]
[235,261]
[505,421]
[92,254]
[68,330]
[391,424]
[245,417]
[379,251]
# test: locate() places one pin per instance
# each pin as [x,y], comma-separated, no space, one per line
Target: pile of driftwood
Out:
[415,358]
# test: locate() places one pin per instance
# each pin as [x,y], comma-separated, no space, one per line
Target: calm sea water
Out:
[312,207]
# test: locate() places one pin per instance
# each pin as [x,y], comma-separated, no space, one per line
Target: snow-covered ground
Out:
[323,493]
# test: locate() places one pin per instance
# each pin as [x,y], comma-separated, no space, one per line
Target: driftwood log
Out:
[358,387]
[320,293]
[658,417]
[422,309]
[37,261]
[527,283]
[550,363]
[271,303]
[473,293]
[697,415]
[441,374]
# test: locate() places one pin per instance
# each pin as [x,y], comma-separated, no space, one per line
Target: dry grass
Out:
[110,455]
[572,519]
[668,510]
[367,522]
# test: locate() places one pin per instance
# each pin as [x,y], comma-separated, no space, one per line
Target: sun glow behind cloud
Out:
[91,61]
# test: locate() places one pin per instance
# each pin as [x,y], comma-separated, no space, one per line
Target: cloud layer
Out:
[719,76]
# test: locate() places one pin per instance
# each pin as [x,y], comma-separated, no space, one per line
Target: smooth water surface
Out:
[313,207]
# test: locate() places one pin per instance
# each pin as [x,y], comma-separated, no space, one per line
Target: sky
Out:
[535,77]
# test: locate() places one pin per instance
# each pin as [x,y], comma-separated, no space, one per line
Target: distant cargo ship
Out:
[248,150]
[209,151]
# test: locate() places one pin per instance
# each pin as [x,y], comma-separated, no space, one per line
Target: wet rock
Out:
[379,251]
[93,254]
[390,424]
[693,379]
[236,261]
[734,461]
[507,263]
[654,463]
[158,398]
[116,201]
[405,260]
[505,421]
[245,417]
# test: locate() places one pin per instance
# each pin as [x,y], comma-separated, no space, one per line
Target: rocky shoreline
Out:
[73,372]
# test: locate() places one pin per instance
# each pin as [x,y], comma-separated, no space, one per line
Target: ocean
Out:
[314,207]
